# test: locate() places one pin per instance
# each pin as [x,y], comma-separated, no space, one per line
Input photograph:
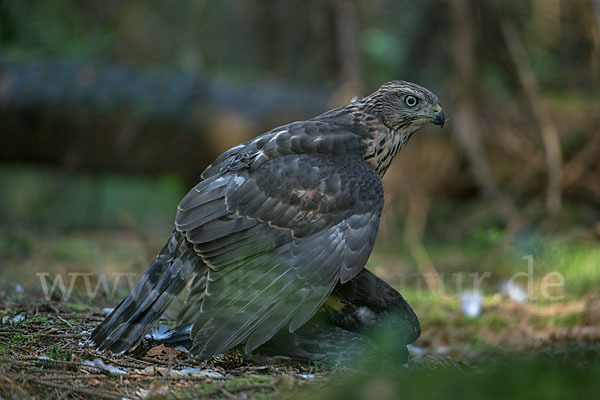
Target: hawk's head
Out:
[405,106]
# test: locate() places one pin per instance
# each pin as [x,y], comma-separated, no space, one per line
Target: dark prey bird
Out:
[277,234]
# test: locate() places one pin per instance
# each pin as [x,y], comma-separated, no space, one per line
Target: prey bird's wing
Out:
[277,234]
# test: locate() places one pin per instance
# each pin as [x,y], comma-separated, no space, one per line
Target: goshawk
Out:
[276,235]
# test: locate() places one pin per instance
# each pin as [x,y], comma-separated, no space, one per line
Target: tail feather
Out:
[168,274]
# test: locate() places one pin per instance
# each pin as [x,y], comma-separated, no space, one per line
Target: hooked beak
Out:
[438,117]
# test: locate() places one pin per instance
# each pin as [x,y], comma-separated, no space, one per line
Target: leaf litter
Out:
[44,353]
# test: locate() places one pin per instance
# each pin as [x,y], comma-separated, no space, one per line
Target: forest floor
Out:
[518,349]
[43,354]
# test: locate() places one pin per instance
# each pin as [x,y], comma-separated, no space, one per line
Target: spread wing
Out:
[276,235]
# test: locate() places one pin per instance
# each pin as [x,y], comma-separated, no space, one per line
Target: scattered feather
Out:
[201,373]
[14,320]
[98,363]
[182,349]
[415,351]
[513,291]
[160,332]
[470,303]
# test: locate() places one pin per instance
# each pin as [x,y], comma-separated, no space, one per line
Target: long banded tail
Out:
[168,274]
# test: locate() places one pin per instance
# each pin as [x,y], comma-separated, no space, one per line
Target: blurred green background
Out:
[109,112]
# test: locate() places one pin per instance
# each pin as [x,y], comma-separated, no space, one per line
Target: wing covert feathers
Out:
[276,238]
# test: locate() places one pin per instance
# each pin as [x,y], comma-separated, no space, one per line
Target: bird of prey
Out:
[276,235]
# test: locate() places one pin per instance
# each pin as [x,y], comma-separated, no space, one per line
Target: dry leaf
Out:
[163,352]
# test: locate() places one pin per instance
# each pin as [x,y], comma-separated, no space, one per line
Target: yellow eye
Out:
[411,101]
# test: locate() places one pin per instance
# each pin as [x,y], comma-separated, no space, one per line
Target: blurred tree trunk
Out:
[108,117]
[348,50]
[548,130]
[594,29]
[466,124]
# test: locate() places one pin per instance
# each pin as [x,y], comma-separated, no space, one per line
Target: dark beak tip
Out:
[439,119]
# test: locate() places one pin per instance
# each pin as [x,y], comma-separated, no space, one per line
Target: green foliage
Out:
[295,40]
[16,244]
[62,28]
[61,201]
[56,354]
[5,351]
[488,248]
[510,378]
[207,386]
[19,338]
[77,307]
[247,381]
[578,261]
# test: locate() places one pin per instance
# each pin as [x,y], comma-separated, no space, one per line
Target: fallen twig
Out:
[101,393]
